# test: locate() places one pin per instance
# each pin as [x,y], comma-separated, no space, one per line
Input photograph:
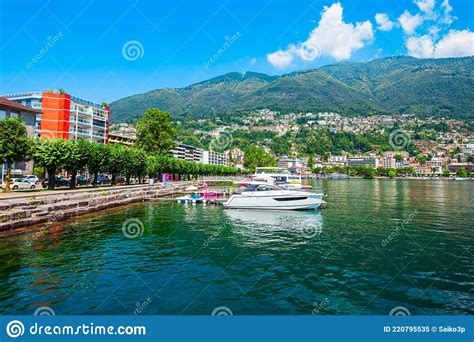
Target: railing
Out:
[79,131]
[222,178]
[100,117]
[80,111]
[83,121]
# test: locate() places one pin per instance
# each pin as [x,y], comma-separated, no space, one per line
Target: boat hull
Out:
[275,202]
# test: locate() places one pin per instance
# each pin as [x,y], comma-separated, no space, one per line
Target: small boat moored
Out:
[272,197]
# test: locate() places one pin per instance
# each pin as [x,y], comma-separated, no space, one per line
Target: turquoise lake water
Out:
[379,245]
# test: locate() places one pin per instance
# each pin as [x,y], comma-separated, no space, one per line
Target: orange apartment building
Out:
[66,116]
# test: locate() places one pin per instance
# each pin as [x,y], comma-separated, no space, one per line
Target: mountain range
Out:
[427,87]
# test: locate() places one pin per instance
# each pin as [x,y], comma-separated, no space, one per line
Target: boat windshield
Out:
[261,187]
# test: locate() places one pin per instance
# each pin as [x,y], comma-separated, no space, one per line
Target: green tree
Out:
[256,156]
[14,145]
[117,160]
[77,156]
[421,158]
[98,160]
[398,158]
[51,154]
[392,174]
[462,172]
[151,166]
[134,163]
[155,132]
[141,165]
[366,172]
[446,173]
[311,161]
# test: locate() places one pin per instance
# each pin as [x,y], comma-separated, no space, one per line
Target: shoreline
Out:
[395,178]
[20,212]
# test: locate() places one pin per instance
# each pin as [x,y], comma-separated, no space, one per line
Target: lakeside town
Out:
[302,169]
[443,147]
[421,147]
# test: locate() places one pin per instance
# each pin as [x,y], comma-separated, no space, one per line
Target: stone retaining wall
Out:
[22,212]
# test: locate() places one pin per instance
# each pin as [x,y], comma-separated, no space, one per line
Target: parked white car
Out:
[30,178]
[21,183]
[33,179]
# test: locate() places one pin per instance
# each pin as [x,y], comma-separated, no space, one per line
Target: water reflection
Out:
[260,226]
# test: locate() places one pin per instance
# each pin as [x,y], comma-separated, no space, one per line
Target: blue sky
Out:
[87,47]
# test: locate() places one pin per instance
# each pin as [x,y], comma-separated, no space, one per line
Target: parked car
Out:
[101,180]
[120,180]
[81,180]
[32,179]
[59,181]
[19,183]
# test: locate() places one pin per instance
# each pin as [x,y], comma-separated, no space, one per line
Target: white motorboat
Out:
[272,197]
[278,176]
[275,176]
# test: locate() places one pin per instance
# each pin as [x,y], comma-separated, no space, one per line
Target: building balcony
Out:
[80,121]
[100,117]
[101,126]
[79,131]
[98,135]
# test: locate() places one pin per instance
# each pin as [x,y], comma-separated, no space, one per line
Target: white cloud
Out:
[433,44]
[426,6]
[385,24]
[434,31]
[455,44]
[420,47]
[332,37]
[410,22]
[447,17]
[280,59]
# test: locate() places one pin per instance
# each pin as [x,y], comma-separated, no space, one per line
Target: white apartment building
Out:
[214,158]
[187,152]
